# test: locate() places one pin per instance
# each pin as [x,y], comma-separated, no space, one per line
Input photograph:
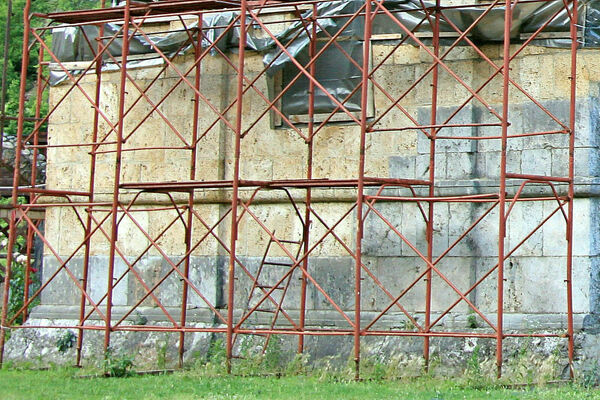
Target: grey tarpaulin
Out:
[333,71]
[69,43]
[74,43]
[528,17]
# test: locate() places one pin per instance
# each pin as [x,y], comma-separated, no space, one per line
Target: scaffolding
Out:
[102,214]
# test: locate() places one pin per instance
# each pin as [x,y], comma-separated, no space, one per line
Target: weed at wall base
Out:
[118,366]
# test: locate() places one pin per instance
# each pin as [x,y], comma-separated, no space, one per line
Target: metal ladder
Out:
[262,286]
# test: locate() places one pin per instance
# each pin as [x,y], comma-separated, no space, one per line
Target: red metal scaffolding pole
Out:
[571,195]
[16,180]
[236,181]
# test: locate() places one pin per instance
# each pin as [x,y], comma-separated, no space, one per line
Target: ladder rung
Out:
[279,264]
[291,241]
[265,310]
[270,287]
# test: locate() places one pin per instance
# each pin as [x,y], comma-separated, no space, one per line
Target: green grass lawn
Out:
[63,384]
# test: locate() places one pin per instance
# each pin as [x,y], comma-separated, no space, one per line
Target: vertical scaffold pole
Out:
[117,175]
[502,188]
[571,196]
[190,213]
[430,211]
[12,232]
[92,185]
[309,174]
[364,99]
[236,181]
[33,177]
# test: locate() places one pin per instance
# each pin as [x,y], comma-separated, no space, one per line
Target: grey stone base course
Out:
[325,318]
[450,356]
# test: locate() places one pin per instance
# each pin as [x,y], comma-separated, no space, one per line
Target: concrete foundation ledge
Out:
[522,322]
[537,356]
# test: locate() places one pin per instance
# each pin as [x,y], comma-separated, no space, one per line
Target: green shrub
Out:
[65,341]
[117,366]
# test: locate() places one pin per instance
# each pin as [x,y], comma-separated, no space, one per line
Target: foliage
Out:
[65,341]
[273,356]
[117,366]
[591,376]
[481,370]
[16,49]
[161,354]
[214,364]
[216,352]
[253,361]
[17,291]
[472,321]
[140,319]
[298,365]
[18,271]
[474,363]
[373,368]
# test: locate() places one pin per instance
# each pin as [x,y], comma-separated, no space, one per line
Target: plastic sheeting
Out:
[528,17]
[75,44]
[339,77]
[70,44]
